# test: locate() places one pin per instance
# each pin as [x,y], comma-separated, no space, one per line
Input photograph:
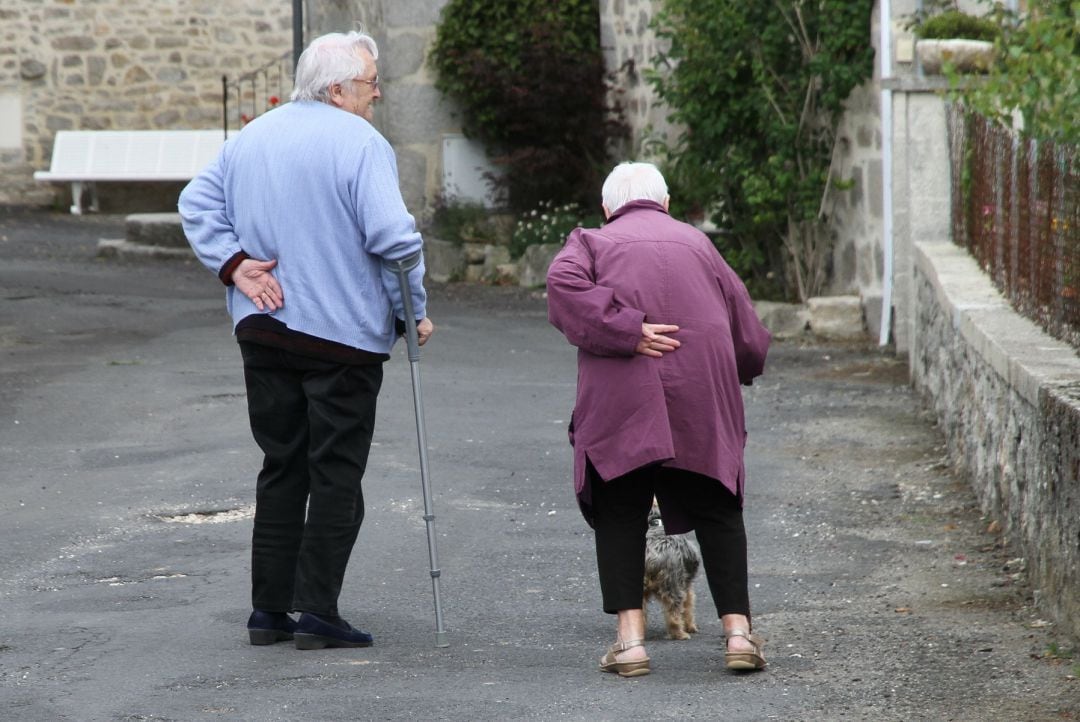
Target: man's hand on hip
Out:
[253,279]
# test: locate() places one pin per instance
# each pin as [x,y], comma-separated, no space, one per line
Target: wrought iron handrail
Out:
[279,70]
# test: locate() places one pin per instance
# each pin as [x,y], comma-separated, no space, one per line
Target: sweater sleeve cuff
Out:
[226,272]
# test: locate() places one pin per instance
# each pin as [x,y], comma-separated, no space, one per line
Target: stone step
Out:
[155,229]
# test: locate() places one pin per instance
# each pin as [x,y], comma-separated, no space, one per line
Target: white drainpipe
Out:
[885,53]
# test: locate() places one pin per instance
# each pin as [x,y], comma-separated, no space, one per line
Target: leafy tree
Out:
[759,88]
[1037,75]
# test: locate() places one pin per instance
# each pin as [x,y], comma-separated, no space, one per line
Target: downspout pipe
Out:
[297,31]
[885,55]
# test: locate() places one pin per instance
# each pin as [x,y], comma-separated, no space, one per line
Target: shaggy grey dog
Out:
[671,563]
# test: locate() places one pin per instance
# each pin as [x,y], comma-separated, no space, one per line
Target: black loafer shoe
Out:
[315,632]
[269,627]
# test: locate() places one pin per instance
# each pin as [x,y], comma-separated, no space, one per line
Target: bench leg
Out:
[76,198]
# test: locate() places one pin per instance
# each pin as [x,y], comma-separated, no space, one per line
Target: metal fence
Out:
[1016,208]
[247,96]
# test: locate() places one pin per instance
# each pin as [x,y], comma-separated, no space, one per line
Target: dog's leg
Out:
[688,613]
[673,615]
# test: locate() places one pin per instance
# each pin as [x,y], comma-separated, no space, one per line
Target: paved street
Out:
[127,476]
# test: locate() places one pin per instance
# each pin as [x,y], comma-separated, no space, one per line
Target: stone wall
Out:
[629,46]
[413,115]
[116,64]
[855,210]
[1007,397]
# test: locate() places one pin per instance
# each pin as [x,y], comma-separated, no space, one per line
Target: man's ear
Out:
[336,95]
[667,202]
[607,213]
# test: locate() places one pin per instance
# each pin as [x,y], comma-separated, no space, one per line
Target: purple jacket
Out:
[684,410]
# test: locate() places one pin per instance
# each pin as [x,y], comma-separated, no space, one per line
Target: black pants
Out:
[313,421]
[621,508]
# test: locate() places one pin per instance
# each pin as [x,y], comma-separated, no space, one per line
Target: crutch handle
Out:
[402,267]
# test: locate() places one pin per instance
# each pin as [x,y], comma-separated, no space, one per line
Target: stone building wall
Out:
[413,115]
[630,46]
[117,64]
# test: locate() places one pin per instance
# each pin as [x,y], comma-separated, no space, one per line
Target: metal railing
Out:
[257,91]
[1016,208]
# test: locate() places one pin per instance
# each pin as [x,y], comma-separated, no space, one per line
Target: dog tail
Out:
[691,563]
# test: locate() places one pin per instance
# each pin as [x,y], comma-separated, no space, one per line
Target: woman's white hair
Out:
[633,182]
[330,59]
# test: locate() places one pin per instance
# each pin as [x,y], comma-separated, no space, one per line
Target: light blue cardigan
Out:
[316,188]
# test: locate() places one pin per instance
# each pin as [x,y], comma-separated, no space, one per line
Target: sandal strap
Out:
[623,646]
[754,639]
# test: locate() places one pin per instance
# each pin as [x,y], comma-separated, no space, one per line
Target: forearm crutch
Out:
[401,269]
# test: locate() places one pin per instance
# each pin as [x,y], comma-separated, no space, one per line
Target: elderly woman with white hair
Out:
[666,333]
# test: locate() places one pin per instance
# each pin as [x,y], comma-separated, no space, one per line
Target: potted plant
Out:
[947,35]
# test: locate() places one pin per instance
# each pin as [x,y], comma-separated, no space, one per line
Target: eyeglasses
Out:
[373,83]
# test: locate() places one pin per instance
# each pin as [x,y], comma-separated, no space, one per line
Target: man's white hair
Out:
[631,181]
[331,59]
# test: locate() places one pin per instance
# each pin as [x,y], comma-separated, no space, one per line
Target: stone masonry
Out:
[114,64]
[1007,397]
[630,45]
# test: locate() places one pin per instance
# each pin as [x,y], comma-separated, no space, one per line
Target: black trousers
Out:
[313,421]
[621,508]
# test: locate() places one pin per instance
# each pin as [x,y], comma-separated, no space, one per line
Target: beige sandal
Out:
[636,668]
[745,661]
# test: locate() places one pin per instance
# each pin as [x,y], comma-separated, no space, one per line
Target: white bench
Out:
[85,157]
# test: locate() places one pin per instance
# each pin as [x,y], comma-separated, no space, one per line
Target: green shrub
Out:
[550,223]
[1037,73]
[759,88]
[530,81]
[955,24]
[463,223]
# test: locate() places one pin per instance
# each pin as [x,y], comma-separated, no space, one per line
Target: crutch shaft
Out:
[412,338]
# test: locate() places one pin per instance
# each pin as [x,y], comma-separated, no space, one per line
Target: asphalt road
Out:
[126,484]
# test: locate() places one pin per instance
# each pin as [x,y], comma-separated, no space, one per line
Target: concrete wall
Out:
[116,64]
[1007,397]
[920,168]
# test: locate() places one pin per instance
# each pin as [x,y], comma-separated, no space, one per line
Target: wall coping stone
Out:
[1024,355]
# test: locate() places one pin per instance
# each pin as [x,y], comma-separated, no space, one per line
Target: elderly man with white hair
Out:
[297,217]
[666,333]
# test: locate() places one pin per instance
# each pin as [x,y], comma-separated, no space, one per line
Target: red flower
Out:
[245,118]
[274,100]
